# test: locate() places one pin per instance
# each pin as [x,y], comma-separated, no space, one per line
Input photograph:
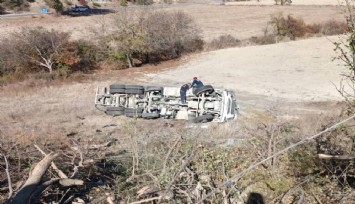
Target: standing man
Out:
[196,83]
[183,91]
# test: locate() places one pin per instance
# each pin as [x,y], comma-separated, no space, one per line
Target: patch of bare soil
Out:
[214,20]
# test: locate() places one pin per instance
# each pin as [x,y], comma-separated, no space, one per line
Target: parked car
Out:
[78,11]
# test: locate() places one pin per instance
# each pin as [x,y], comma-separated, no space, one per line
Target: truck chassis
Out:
[203,104]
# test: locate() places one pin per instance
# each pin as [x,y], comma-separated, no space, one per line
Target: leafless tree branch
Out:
[303,141]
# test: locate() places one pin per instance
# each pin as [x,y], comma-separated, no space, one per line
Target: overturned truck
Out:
[203,104]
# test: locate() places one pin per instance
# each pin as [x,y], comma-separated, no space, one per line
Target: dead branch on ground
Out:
[33,186]
[337,157]
[60,173]
[253,166]
[8,176]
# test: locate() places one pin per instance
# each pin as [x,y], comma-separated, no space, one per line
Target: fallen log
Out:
[337,157]
[33,186]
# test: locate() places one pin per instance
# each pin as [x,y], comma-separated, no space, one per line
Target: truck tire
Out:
[133,112]
[117,91]
[203,118]
[154,88]
[115,111]
[134,87]
[202,89]
[117,86]
[134,91]
[150,115]
[191,117]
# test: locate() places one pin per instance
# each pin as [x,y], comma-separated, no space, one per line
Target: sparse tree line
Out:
[282,28]
[131,38]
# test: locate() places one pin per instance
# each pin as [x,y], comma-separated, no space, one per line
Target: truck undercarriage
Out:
[203,104]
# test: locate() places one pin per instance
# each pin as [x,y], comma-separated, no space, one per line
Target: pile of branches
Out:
[47,182]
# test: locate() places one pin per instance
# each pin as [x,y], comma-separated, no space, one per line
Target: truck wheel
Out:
[202,89]
[117,91]
[134,91]
[191,117]
[150,115]
[115,111]
[134,87]
[154,88]
[203,118]
[133,112]
[117,86]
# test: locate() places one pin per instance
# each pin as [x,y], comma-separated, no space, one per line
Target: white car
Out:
[203,104]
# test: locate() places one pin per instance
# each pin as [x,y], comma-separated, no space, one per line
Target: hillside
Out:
[286,91]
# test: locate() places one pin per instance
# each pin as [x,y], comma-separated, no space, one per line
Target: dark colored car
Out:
[78,11]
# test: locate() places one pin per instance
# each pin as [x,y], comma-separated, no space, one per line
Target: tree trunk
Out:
[34,180]
[129,61]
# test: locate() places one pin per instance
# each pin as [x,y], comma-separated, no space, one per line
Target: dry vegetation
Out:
[262,157]
[168,160]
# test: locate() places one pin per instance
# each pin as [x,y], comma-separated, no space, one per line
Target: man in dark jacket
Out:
[196,83]
[183,91]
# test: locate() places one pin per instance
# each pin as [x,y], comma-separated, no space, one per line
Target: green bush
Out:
[63,71]
[89,55]
[159,35]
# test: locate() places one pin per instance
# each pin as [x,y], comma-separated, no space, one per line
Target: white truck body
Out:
[205,104]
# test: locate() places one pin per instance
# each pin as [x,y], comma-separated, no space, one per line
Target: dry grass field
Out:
[284,83]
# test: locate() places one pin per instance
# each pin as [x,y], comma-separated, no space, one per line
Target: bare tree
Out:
[33,48]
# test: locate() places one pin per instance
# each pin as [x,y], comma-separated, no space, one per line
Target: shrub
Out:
[57,5]
[143,2]
[314,28]
[158,35]
[334,28]
[19,5]
[296,28]
[290,26]
[34,49]
[89,55]
[263,40]
[123,2]
[222,42]
[37,50]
